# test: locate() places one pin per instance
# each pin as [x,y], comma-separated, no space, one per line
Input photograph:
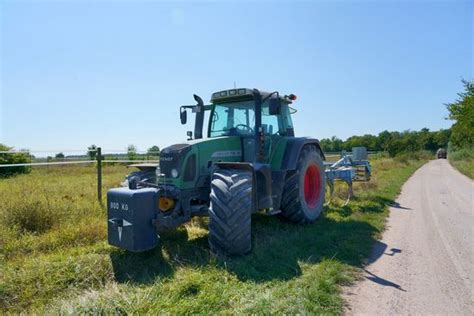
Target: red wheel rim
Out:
[312,185]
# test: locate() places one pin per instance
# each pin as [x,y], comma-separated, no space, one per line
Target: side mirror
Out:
[183,115]
[274,106]
[189,134]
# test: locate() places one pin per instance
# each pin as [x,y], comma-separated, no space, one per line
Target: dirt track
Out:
[425,262]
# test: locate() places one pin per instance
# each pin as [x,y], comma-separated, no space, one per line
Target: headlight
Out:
[174,173]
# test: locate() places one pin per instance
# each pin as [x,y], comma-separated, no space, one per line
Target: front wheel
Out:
[149,177]
[230,212]
[304,189]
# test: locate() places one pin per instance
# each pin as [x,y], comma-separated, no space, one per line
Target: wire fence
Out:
[45,163]
[107,156]
[98,157]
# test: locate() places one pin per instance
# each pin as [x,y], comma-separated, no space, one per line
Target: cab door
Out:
[272,130]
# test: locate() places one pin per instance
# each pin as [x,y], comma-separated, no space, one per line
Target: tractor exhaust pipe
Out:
[199,109]
[259,137]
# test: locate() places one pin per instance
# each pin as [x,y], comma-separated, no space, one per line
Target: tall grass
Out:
[463,160]
[62,263]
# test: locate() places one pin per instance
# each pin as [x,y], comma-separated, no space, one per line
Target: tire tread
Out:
[230,212]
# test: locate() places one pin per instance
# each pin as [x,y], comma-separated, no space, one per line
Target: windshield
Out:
[238,119]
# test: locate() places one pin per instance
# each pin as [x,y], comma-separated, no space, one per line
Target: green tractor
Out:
[251,161]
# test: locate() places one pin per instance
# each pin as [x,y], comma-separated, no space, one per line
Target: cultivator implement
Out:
[350,168]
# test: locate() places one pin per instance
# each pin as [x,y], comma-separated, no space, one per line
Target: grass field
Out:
[463,160]
[55,258]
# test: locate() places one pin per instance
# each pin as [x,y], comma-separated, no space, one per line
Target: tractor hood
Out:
[172,157]
[183,163]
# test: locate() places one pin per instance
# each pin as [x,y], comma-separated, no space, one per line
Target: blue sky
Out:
[114,73]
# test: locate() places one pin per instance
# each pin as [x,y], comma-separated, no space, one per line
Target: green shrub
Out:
[13,158]
[462,154]
[463,160]
[405,157]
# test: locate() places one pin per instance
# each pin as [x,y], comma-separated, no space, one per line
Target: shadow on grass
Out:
[278,249]
[141,268]
[376,204]
[173,250]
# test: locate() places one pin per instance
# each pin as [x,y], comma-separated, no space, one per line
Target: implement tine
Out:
[330,183]
[350,193]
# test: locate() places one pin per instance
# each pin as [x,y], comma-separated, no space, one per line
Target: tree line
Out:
[392,142]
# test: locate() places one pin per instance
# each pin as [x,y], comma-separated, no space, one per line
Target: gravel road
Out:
[425,262]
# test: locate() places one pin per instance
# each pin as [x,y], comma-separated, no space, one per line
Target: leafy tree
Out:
[383,140]
[13,158]
[462,112]
[153,151]
[409,141]
[442,137]
[426,140]
[92,152]
[333,144]
[132,152]
[394,147]
[59,156]
[368,141]
[325,144]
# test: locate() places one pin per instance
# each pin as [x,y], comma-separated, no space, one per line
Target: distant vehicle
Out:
[441,153]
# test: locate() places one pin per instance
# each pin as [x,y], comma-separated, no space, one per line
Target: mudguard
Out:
[293,149]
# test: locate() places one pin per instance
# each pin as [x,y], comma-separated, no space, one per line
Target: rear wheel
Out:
[230,212]
[303,192]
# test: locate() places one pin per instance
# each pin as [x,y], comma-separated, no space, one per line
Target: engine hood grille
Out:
[173,157]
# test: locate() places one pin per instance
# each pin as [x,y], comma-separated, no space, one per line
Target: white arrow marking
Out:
[120,232]
[120,228]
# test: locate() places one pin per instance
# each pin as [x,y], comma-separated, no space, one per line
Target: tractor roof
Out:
[239,93]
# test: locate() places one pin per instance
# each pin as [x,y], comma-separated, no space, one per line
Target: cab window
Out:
[270,123]
[238,119]
[219,121]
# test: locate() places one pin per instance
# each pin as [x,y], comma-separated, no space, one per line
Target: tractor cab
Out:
[259,118]
[235,115]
